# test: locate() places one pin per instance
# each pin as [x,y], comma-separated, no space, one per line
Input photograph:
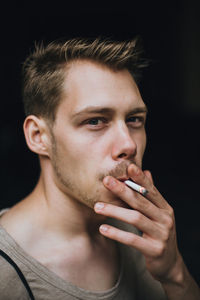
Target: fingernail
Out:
[98,206]
[103,228]
[135,169]
[111,182]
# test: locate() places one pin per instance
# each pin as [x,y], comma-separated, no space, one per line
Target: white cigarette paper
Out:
[136,187]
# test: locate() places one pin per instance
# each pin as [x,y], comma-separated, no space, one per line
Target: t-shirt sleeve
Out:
[11,286]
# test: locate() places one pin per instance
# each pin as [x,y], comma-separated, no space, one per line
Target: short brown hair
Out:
[44,70]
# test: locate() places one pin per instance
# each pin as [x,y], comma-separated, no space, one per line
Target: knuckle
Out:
[165,236]
[141,174]
[143,205]
[169,222]
[130,239]
[136,218]
[153,191]
[120,188]
[171,211]
[160,250]
[112,232]
[138,171]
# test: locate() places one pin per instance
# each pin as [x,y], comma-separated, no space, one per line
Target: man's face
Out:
[98,131]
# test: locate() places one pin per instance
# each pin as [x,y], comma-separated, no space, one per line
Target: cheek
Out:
[141,143]
[144,141]
[79,156]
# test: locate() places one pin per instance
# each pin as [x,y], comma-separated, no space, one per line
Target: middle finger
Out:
[132,198]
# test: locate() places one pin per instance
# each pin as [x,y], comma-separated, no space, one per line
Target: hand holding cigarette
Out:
[151,214]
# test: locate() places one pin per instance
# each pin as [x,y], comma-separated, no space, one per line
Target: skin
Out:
[76,154]
[98,137]
[97,144]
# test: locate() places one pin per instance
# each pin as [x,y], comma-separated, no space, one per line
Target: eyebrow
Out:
[107,110]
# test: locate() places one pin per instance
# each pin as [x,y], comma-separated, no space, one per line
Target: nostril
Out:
[122,155]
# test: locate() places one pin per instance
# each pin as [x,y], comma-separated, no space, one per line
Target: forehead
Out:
[91,84]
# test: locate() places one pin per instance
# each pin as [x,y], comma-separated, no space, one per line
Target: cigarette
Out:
[136,187]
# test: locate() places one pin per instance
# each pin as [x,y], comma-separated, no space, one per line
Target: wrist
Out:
[177,274]
[180,285]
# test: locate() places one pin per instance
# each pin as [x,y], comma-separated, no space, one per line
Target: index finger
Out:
[138,176]
[132,198]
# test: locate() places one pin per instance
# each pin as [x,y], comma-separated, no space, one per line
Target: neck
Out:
[57,213]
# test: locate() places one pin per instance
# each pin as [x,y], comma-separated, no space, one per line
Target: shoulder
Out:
[11,286]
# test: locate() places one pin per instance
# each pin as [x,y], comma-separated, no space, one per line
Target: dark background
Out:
[171,89]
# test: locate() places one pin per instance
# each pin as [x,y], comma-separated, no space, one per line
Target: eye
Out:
[136,121]
[96,123]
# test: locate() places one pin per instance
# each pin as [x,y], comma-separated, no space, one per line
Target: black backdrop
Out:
[171,34]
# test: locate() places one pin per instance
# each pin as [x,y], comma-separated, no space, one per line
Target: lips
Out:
[122,179]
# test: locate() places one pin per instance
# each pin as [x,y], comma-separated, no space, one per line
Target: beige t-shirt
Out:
[134,281]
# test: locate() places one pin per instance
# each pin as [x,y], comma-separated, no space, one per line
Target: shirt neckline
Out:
[17,252]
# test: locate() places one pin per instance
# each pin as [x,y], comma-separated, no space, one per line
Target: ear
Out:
[37,135]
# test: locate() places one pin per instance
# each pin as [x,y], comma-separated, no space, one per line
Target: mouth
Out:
[123,178]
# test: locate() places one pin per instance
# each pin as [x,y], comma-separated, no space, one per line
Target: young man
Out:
[86,121]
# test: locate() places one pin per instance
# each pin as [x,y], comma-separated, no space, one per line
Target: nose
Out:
[124,146]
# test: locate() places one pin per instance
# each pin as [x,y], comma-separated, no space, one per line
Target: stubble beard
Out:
[72,188]
[65,183]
